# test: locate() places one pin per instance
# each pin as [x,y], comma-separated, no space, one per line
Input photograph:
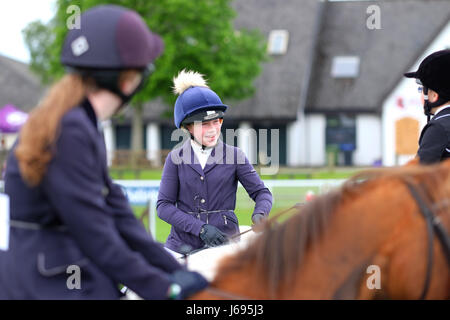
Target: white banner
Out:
[4,222]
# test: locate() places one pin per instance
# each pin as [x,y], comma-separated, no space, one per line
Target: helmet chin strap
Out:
[428,106]
[145,75]
[109,80]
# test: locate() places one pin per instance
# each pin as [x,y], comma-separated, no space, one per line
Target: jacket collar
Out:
[442,110]
[87,106]
[213,160]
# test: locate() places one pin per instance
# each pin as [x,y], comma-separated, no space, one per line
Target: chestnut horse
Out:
[365,240]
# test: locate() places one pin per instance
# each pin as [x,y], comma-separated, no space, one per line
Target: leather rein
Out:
[434,227]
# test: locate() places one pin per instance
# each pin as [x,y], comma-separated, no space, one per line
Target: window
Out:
[278,42]
[345,67]
[123,137]
[341,138]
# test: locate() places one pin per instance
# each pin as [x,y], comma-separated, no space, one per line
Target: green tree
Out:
[198,35]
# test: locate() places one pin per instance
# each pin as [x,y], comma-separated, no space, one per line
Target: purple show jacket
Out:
[190,196]
[102,236]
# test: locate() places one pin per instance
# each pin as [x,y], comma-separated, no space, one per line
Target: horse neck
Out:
[334,267]
[380,232]
[332,262]
[373,226]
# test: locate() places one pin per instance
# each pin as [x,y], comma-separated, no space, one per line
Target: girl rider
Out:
[65,210]
[198,188]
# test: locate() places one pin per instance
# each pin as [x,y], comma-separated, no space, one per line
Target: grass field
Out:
[284,173]
[284,197]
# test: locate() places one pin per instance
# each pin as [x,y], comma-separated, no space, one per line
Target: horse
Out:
[372,238]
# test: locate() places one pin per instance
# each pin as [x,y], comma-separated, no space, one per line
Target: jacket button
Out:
[203,201]
[105,191]
[201,178]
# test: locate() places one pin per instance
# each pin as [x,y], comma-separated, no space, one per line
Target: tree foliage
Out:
[198,35]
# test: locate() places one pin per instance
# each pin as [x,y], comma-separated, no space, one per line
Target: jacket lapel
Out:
[217,157]
[190,159]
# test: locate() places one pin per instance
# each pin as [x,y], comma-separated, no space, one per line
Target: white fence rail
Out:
[151,185]
[139,192]
[145,192]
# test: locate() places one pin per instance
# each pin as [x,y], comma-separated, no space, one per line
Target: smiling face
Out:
[207,132]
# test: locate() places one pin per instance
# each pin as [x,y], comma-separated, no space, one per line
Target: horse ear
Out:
[412,162]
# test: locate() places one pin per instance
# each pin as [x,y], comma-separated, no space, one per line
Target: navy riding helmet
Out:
[111,39]
[198,104]
[196,101]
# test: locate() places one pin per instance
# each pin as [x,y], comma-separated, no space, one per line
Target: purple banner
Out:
[11,119]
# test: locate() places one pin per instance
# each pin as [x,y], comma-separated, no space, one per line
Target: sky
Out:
[15,15]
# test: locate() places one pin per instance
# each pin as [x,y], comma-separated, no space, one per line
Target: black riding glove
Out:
[186,283]
[258,220]
[212,236]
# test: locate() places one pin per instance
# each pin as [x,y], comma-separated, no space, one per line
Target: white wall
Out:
[153,146]
[312,132]
[404,101]
[315,140]
[368,144]
[293,150]
[247,141]
[8,139]
[368,140]
[405,94]
[108,132]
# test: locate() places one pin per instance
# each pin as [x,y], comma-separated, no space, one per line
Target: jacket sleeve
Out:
[432,145]
[134,234]
[74,185]
[167,199]
[253,184]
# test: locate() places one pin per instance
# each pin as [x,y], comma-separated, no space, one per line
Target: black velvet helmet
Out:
[111,39]
[434,73]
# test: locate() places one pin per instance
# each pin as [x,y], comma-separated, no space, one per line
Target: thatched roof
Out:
[18,85]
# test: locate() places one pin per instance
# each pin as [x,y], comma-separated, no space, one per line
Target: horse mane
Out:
[277,253]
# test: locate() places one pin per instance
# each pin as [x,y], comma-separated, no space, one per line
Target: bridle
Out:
[434,225]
